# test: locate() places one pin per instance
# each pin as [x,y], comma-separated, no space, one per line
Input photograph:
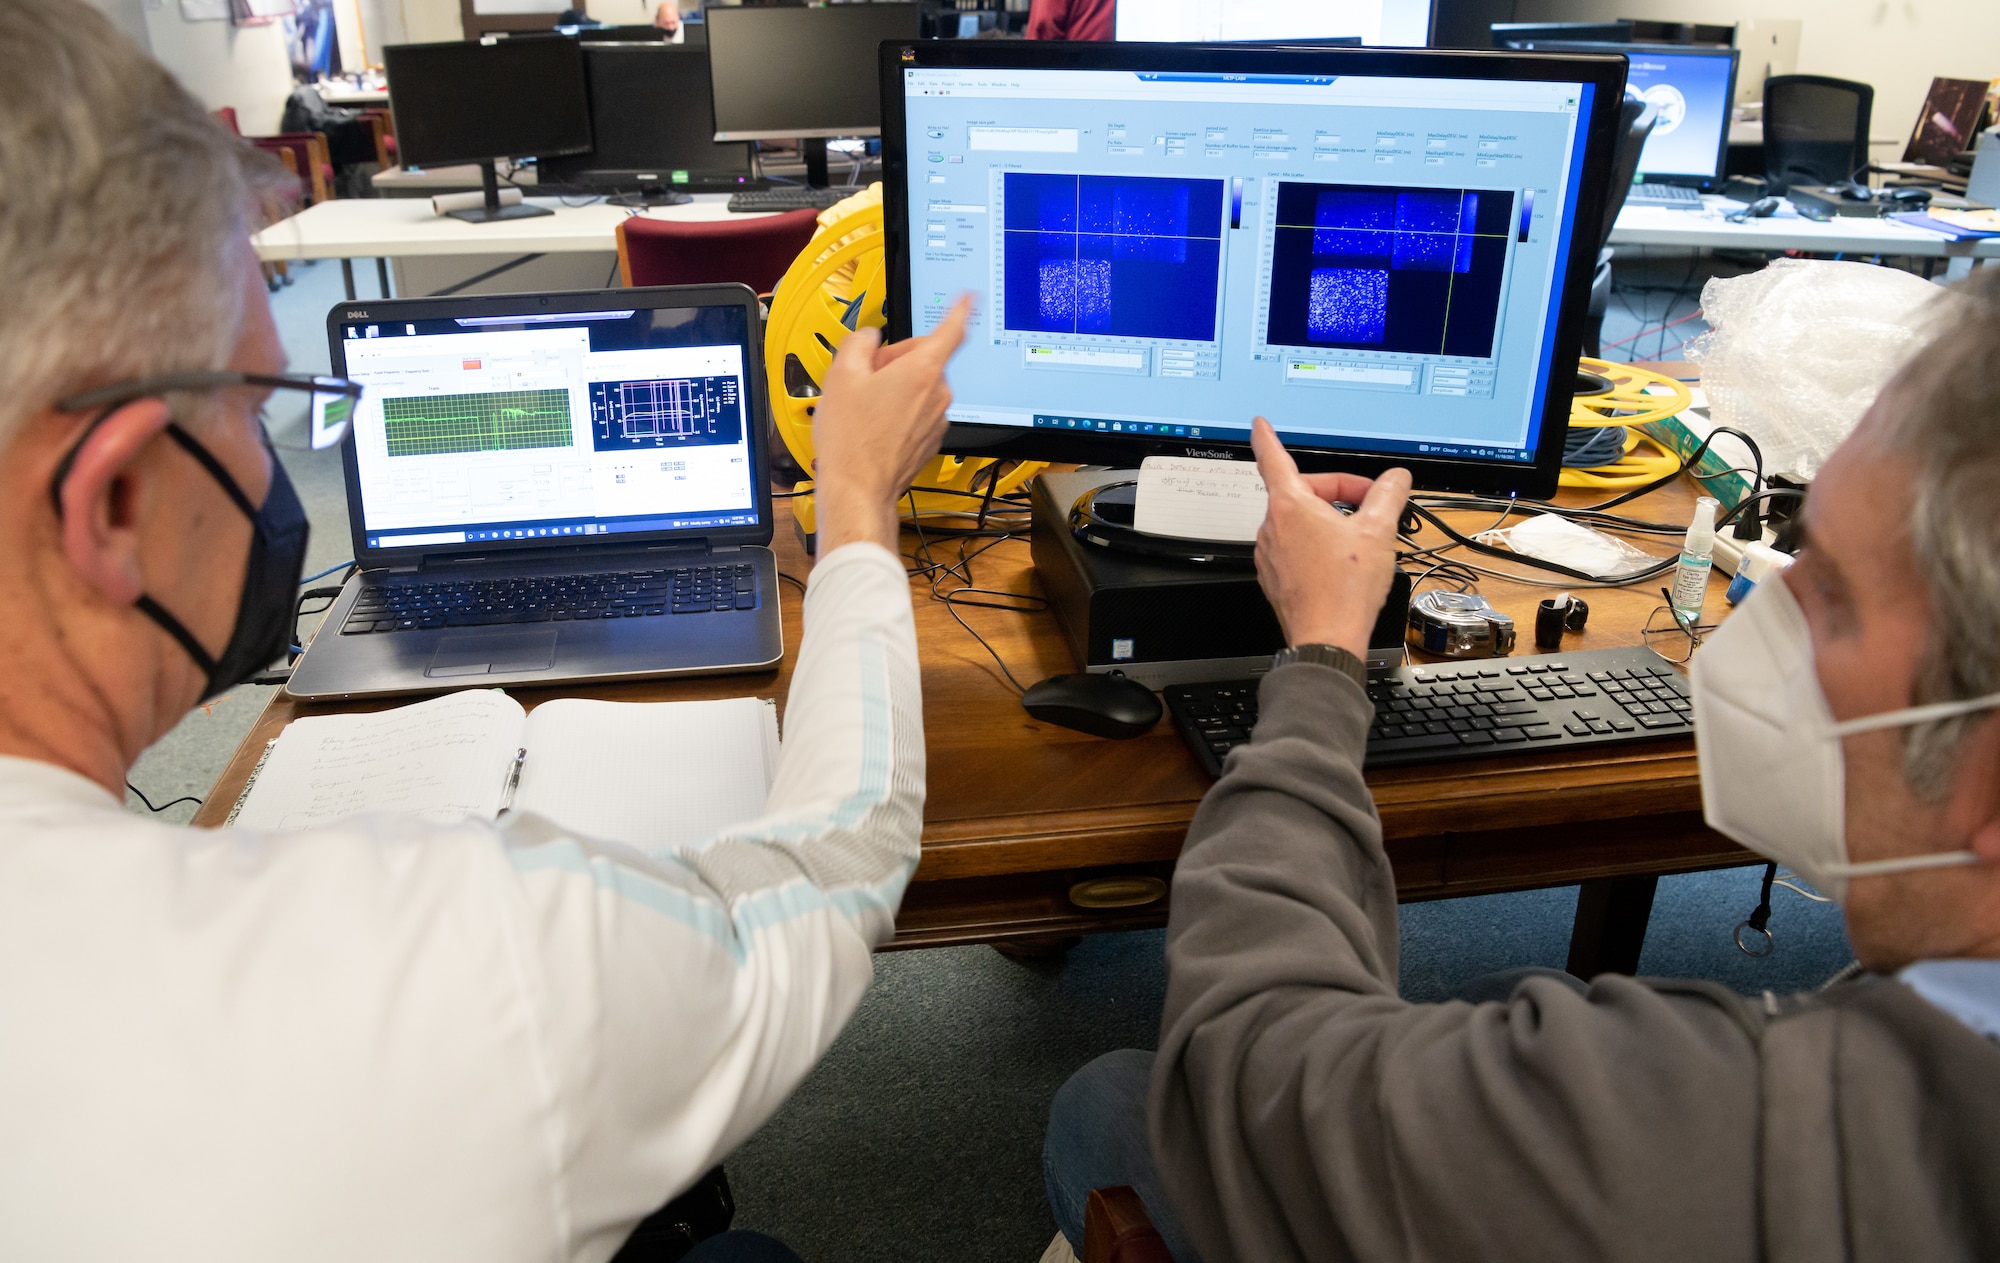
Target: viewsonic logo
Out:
[1211,453]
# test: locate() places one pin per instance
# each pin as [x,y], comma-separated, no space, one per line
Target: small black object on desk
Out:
[1103,704]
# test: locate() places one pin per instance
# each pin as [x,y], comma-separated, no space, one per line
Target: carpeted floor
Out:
[919,1137]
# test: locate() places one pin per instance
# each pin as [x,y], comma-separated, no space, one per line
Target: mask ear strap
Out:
[1913,715]
[68,461]
[213,466]
[174,627]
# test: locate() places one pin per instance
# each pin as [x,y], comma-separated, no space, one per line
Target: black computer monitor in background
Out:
[477,102]
[1511,34]
[651,126]
[1693,89]
[780,73]
[1388,253]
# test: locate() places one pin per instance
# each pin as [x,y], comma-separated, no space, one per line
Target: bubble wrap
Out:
[1797,352]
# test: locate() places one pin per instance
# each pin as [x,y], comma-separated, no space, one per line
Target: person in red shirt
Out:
[1073,19]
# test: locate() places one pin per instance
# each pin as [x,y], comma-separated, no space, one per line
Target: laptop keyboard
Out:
[1663,195]
[1460,710]
[425,604]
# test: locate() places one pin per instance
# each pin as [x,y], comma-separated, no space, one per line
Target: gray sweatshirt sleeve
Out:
[1302,1111]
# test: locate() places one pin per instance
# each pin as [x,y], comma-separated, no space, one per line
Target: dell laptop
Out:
[551,487]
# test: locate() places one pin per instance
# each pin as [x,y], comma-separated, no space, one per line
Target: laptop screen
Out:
[481,428]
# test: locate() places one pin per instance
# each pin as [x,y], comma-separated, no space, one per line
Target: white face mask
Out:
[1772,773]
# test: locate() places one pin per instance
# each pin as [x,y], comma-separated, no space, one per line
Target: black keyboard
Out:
[1460,710]
[786,197]
[421,604]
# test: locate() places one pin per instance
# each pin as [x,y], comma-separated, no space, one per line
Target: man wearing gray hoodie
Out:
[1300,1110]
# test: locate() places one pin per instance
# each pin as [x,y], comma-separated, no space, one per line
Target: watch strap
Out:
[1327,656]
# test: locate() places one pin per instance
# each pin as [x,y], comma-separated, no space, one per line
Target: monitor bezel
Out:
[648,298]
[799,133]
[424,50]
[1605,74]
[1703,182]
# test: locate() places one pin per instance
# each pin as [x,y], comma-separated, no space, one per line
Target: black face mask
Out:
[264,616]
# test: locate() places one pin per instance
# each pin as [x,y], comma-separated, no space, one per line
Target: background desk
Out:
[1018,811]
[574,248]
[1706,229]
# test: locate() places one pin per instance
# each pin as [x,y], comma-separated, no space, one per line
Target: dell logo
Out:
[357,314]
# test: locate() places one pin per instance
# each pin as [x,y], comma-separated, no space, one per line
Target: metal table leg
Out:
[347,275]
[382,275]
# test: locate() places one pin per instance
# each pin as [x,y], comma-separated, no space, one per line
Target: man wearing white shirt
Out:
[383,1040]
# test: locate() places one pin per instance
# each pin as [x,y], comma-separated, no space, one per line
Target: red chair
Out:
[755,252]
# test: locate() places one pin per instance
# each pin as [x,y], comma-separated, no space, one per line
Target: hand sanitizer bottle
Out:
[1697,556]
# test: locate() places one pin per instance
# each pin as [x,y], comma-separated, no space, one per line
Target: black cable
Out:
[794,580]
[1759,920]
[1688,464]
[163,806]
[1464,541]
[929,566]
[1766,494]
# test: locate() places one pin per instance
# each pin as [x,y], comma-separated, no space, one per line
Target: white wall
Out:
[127,16]
[224,64]
[1896,45]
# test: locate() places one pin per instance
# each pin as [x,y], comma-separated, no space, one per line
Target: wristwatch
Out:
[1327,656]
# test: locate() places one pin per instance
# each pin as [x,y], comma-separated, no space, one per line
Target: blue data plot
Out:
[1348,304]
[1113,255]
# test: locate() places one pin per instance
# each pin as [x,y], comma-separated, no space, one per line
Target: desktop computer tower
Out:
[1164,622]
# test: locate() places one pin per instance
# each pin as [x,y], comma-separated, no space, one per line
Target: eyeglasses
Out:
[1682,634]
[332,397]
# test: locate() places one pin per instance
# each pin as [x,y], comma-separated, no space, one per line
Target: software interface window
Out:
[1691,93]
[480,434]
[1366,261]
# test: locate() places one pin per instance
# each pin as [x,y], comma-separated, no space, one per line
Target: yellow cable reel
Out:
[1637,396]
[834,287]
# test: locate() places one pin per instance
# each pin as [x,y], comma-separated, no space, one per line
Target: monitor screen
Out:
[567,422]
[784,72]
[1516,34]
[1377,251]
[1692,90]
[650,122]
[1403,23]
[469,101]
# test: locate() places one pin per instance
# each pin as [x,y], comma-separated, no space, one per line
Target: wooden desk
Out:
[1019,810]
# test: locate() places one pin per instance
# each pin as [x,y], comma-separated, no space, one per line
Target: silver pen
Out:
[513,779]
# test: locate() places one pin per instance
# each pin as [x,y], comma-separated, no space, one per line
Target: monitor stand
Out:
[493,211]
[813,150]
[650,195]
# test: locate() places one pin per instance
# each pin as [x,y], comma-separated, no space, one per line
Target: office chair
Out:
[1635,123]
[752,251]
[1815,130]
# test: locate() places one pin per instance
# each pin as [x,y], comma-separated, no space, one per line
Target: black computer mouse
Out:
[1762,208]
[1909,197]
[1854,191]
[1105,705]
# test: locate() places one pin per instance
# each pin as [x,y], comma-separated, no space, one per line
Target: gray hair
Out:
[1945,417]
[120,202]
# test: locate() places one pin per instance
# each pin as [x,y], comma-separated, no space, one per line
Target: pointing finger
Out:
[1280,472]
[1383,506]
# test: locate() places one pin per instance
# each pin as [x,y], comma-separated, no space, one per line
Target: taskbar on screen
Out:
[1292,438]
[569,528]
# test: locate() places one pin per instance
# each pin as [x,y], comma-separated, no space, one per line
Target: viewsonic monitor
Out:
[1404,23]
[1513,34]
[1692,88]
[1379,251]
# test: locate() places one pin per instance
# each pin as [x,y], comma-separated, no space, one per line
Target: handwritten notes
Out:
[1189,498]
[442,760]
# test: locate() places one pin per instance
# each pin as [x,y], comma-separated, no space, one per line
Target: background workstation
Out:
[946,1165]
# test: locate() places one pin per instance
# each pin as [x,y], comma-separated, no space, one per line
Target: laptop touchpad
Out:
[494,653]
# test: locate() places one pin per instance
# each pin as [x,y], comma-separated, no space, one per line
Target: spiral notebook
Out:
[651,774]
